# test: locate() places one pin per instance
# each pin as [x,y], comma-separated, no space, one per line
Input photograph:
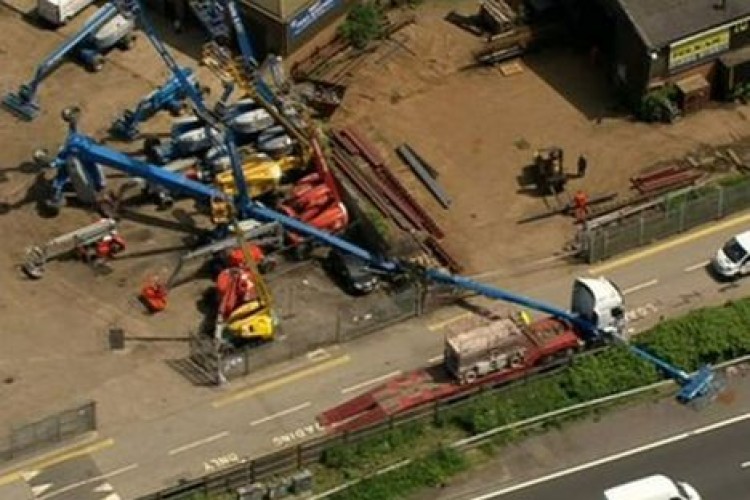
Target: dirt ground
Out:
[469,125]
[478,128]
[55,348]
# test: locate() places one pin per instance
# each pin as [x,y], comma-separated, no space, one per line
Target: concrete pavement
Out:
[276,407]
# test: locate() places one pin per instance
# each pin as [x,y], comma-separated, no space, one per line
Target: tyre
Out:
[96,64]
[127,42]
[470,377]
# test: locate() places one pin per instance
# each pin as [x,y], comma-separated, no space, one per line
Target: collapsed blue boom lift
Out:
[702,385]
[24,102]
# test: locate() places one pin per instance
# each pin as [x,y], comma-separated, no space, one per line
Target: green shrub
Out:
[430,471]
[363,24]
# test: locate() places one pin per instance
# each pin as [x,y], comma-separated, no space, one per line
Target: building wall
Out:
[691,55]
[631,62]
[285,36]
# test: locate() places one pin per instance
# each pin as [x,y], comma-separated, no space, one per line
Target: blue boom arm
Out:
[24,103]
[703,384]
[169,96]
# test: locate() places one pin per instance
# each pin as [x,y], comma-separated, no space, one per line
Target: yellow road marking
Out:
[273,384]
[55,458]
[681,240]
[442,324]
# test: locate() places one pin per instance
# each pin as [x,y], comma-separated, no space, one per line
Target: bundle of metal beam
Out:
[420,169]
[397,191]
[350,151]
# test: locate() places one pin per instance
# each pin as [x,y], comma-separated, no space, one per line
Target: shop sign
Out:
[698,48]
[308,16]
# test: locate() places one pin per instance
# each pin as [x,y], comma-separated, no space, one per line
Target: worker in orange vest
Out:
[581,205]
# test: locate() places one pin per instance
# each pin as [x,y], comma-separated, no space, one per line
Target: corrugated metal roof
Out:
[281,9]
[660,22]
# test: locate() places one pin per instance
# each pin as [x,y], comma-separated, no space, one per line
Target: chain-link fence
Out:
[211,363]
[670,216]
[66,424]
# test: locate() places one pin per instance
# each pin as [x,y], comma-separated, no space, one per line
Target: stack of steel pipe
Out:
[350,150]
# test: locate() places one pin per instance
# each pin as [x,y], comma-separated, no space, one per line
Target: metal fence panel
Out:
[53,429]
[670,217]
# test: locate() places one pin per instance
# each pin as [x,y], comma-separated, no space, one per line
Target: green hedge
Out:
[708,335]
[430,471]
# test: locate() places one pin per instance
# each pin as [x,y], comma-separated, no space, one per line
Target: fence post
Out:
[641,224]
[682,216]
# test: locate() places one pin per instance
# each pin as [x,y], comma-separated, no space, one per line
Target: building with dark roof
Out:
[652,43]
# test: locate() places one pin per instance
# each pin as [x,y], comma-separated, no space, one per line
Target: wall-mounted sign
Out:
[698,48]
[308,16]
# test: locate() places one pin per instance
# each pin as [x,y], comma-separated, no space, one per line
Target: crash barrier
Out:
[212,363]
[26,438]
[667,216]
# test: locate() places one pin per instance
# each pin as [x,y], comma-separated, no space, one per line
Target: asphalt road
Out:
[715,462]
[276,407]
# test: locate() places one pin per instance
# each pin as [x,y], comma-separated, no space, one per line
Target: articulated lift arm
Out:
[24,103]
[170,96]
[701,385]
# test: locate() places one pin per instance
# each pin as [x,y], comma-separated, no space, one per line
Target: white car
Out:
[656,487]
[731,261]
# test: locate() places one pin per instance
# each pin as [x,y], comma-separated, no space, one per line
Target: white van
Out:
[656,487]
[59,12]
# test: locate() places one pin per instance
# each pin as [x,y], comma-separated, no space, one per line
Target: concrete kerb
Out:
[467,443]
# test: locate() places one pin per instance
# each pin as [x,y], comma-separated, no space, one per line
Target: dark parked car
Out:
[351,272]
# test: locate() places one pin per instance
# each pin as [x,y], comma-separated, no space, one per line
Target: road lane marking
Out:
[281,413]
[40,488]
[442,324]
[612,458]
[681,240]
[699,265]
[217,463]
[639,286]
[745,465]
[436,359]
[90,480]
[32,468]
[371,381]
[273,384]
[299,434]
[199,442]
[318,354]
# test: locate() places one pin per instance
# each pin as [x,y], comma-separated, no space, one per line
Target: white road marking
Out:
[199,442]
[104,488]
[113,496]
[615,457]
[41,488]
[745,465]
[281,413]
[73,486]
[699,265]
[318,354]
[371,381]
[435,359]
[299,434]
[639,286]
[29,475]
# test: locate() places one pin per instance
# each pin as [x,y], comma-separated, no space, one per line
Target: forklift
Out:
[547,171]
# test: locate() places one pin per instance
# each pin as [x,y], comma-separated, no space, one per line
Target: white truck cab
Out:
[733,259]
[656,487]
[59,12]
